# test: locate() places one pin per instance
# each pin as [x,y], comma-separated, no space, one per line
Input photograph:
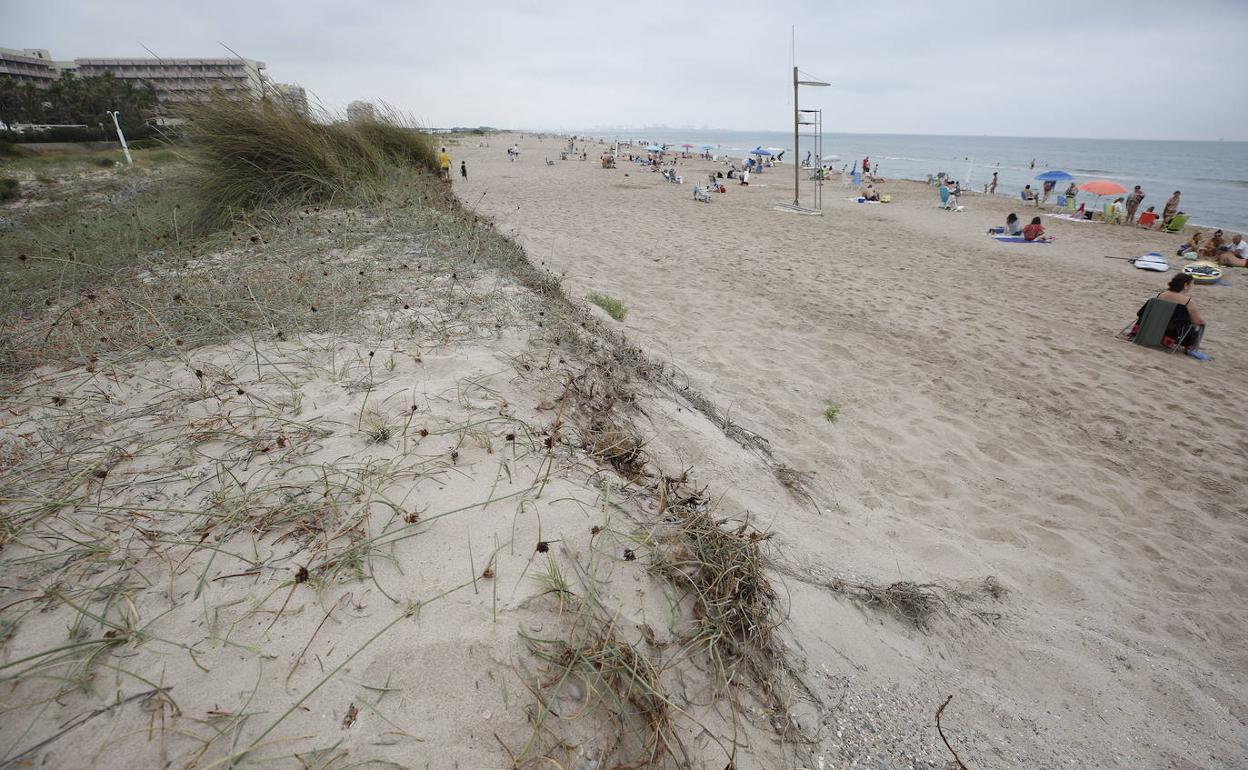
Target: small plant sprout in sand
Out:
[614,307]
[832,412]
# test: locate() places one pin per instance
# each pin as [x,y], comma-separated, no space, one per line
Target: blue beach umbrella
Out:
[1054,176]
[708,146]
[760,151]
[653,148]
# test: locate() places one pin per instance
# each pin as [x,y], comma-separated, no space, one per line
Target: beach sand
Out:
[990,424]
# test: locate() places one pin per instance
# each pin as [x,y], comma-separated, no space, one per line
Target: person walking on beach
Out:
[444,160]
[463,169]
[1171,210]
[992,188]
[1133,203]
[866,166]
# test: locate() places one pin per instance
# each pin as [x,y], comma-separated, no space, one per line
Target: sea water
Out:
[1213,176]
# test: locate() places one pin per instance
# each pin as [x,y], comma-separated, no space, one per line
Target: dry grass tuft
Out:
[723,569]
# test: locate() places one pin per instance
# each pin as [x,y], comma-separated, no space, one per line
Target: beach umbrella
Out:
[1054,176]
[760,151]
[653,148]
[708,146]
[1102,187]
[687,146]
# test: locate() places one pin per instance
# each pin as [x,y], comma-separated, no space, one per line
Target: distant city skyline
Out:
[976,68]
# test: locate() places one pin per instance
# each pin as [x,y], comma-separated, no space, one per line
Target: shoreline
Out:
[1220,193]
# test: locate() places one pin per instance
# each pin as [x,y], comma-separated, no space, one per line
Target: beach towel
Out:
[1014,239]
[860,199]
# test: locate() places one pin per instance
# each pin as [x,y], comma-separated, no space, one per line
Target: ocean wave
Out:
[1235,182]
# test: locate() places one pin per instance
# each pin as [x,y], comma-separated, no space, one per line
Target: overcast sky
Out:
[1128,69]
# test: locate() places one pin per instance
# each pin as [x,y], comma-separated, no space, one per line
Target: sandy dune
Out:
[990,424]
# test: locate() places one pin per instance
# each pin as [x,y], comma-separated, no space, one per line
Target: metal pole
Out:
[124,147]
[795,163]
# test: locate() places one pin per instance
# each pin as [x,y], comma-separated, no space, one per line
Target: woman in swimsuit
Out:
[1179,291]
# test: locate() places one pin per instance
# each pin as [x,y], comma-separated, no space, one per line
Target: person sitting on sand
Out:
[1233,254]
[1035,231]
[1029,194]
[1212,246]
[1192,248]
[870,193]
[1120,210]
[1179,291]
[1239,247]
[1012,227]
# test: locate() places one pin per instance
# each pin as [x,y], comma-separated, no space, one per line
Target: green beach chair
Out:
[1153,323]
[1177,224]
[1109,215]
[1070,204]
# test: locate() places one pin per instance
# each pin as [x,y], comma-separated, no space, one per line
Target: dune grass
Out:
[832,412]
[114,256]
[614,307]
[253,154]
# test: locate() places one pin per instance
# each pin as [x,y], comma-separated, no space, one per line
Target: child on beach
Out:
[444,160]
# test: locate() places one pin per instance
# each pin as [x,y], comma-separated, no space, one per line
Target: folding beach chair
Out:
[1070,204]
[1177,224]
[1152,328]
[702,194]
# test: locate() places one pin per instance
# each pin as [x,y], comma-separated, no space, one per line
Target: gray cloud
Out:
[1146,70]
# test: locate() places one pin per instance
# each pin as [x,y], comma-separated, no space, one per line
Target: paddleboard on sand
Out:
[1152,261]
[1203,272]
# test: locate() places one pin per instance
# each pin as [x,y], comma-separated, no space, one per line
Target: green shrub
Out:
[832,412]
[614,307]
[10,190]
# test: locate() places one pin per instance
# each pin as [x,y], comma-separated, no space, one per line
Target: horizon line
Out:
[887,133]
